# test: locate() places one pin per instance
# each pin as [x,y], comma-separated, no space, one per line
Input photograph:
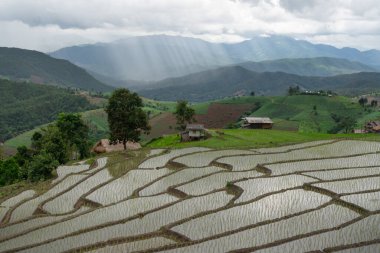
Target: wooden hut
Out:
[257,123]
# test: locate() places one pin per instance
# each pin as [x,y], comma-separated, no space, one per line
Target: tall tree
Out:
[126,119]
[75,132]
[184,114]
[363,101]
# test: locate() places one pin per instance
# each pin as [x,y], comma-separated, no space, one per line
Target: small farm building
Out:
[372,127]
[193,132]
[257,123]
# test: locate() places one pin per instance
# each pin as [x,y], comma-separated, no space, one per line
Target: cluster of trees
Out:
[363,101]
[55,144]
[343,123]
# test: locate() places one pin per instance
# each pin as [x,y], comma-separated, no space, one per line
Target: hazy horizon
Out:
[48,25]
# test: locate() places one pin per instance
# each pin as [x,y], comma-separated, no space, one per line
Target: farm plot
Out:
[97,217]
[369,201]
[156,151]
[345,173]
[135,246]
[148,223]
[162,160]
[324,218]
[27,208]
[100,163]
[124,186]
[65,202]
[256,187]
[285,205]
[205,158]
[271,207]
[215,182]
[63,171]
[366,229]
[352,185]
[7,204]
[291,147]
[336,149]
[325,164]
[177,178]
[20,227]
[373,248]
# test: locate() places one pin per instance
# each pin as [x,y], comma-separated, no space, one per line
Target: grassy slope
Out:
[296,112]
[245,138]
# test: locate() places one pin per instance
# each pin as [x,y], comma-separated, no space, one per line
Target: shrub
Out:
[41,166]
[9,171]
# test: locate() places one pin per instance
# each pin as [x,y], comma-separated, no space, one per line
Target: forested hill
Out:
[37,67]
[26,105]
[236,80]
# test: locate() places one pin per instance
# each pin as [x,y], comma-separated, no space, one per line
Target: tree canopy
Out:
[184,114]
[126,118]
[75,132]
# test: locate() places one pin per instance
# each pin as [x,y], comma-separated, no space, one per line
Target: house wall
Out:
[193,133]
[260,126]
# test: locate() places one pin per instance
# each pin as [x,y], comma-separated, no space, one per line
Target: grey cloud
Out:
[50,24]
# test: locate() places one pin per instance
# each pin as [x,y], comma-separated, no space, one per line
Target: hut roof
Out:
[257,120]
[195,127]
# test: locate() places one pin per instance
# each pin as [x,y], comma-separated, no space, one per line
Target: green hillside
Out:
[291,113]
[37,67]
[96,120]
[309,113]
[24,106]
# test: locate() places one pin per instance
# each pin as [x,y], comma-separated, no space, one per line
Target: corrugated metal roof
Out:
[257,120]
[194,127]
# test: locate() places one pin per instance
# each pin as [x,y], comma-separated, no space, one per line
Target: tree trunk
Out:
[125,144]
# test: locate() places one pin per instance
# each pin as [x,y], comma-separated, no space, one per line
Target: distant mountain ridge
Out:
[236,80]
[156,57]
[320,66]
[27,65]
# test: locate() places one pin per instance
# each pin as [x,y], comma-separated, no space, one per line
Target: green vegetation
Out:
[55,144]
[248,138]
[304,113]
[184,114]
[33,66]
[126,119]
[311,113]
[25,105]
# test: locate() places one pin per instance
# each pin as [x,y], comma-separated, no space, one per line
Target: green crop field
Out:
[249,138]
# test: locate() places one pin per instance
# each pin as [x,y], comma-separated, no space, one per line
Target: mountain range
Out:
[152,58]
[236,80]
[33,66]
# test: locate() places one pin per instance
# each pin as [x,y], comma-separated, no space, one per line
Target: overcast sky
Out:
[48,25]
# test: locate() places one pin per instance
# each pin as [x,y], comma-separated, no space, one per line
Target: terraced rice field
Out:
[312,197]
